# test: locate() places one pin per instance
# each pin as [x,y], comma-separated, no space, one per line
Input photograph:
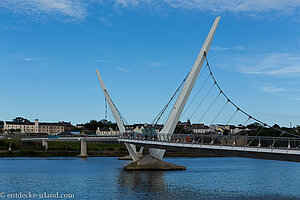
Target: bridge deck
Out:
[72,139]
[283,154]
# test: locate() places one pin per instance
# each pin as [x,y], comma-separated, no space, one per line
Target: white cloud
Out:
[128,3]
[220,48]
[291,93]
[78,9]
[272,89]
[233,48]
[295,98]
[239,47]
[220,6]
[106,21]
[32,59]
[9,27]
[274,64]
[282,115]
[122,69]
[74,9]
[237,5]
[103,61]
[154,63]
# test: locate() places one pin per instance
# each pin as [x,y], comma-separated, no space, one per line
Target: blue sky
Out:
[49,50]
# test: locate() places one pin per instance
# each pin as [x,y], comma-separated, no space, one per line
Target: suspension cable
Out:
[105,108]
[203,99]
[196,94]
[238,109]
[243,125]
[262,127]
[247,121]
[232,116]
[121,116]
[219,112]
[156,119]
[210,106]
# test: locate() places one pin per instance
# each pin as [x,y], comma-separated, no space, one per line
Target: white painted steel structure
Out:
[282,154]
[180,102]
[131,148]
[208,146]
[186,90]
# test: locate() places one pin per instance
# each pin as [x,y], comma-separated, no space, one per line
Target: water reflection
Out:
[142,184]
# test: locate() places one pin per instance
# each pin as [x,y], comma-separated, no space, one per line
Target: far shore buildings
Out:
[136,128]
[38,127]
[106,131]
[215,129]
[63,127]
[200,129]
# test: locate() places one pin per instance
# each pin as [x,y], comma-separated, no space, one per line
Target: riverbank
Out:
[72,149]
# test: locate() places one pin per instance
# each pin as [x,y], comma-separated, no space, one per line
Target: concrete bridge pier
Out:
[150,163]
[45,144]
[83,149]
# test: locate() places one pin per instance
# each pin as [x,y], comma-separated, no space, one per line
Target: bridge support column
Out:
[132,151]
[45,144]
[128,157]
[141,150]
[83,149]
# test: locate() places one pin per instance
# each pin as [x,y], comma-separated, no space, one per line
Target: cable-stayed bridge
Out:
[209,104]
[200,98]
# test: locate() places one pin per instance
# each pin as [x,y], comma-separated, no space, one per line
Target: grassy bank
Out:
[70,149]
[58,149]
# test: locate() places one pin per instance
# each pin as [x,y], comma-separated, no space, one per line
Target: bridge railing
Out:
[85,136]
[287,143]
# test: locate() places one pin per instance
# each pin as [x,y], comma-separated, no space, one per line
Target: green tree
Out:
[254,125]
[1,126]
[93,125]
[20,120]
[276,126]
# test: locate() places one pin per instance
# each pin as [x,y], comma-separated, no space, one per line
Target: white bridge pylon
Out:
[180,103]
[185,91]
[130,147]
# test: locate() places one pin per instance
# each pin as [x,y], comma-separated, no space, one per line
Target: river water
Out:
[104,178]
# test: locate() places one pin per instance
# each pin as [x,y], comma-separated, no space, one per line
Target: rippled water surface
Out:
[104,178]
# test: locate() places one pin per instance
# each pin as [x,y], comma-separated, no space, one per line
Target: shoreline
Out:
[12,154]
[72,149]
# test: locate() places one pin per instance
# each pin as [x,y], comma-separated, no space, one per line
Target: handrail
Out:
[220,140]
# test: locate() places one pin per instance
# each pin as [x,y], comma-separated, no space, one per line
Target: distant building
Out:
[138,128]
[200,129]
[186,125]
[106,131]
[144,128]
[238,129]
[232,129]
[79,126]
[38,127]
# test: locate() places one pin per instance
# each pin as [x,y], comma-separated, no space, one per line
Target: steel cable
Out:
[203,100]
[255,119]
[209,107]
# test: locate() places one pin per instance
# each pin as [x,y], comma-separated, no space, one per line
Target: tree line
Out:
[92,125]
